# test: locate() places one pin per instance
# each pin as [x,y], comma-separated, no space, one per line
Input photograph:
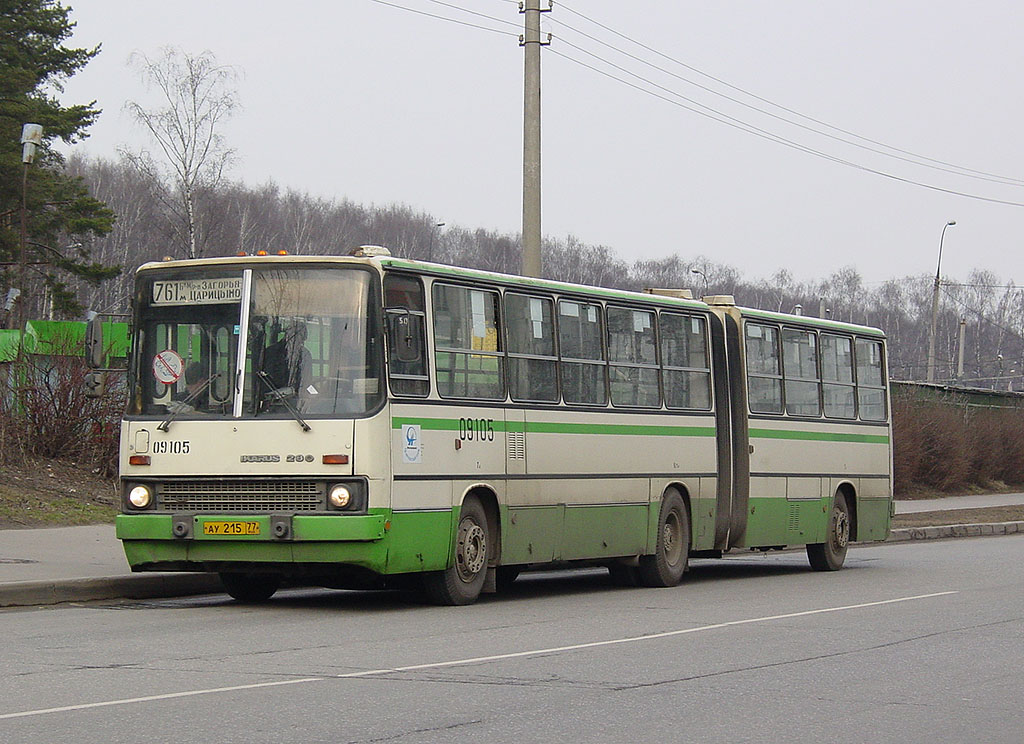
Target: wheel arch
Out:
[488,498]
[684,494]
[847,489]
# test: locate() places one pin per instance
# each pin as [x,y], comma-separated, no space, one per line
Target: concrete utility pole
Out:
[531,43]
[935,306]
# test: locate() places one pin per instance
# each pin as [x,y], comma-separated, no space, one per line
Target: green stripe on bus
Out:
[542,427]
[818,436]
[548,427]
[553,427]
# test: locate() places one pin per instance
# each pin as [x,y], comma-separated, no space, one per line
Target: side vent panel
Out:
[515,441]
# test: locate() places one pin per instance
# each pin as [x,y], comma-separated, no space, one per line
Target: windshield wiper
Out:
[183,405]
[280,395]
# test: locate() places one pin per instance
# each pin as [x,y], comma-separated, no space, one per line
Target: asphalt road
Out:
[910,643]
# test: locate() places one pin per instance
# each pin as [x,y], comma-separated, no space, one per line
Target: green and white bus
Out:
[370,421]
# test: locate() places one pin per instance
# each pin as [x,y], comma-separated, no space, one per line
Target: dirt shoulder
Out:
[980,515]
[54,493]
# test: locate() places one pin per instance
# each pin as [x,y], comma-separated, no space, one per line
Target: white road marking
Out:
[474,660]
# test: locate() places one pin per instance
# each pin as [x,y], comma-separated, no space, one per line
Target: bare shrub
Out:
[908,452]
[931,447]
[949,445]
[44,413]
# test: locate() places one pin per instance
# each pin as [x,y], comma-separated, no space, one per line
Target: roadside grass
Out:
[20,509]
[980,515]
[54,493]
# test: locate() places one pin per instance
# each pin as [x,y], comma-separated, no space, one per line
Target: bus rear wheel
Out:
[461,583]
[830,555]
[672,554]
[250,587]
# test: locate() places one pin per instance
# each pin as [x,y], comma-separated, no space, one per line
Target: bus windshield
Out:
[313,344]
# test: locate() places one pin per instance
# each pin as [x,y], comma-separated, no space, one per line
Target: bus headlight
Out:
[339,496]
[140,497]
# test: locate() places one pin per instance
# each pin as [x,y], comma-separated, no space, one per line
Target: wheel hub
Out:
[671,539]
[472,550]
[841,533]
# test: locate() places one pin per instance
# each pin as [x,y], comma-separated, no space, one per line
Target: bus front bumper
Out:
[155,542]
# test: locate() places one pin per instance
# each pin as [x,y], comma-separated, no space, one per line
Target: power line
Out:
[915,160]
[982,315]
[475,13]
[1009,180]
[732,121]
[708,111]
[445,18]
[982,286]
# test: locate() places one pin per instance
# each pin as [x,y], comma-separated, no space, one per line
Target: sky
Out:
[378,104]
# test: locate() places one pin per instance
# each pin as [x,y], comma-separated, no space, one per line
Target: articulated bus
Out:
[370,421]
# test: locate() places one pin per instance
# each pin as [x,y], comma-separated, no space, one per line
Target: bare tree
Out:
[198,96]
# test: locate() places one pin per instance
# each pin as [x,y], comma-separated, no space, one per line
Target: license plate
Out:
[231,528]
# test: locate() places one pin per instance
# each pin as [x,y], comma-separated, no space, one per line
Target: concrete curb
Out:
[158,585]
[956,530]
[133,586]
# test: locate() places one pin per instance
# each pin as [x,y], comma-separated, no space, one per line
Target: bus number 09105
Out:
[481,430]
[171,447]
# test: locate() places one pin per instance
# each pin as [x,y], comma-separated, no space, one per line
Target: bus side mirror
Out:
[405,332]
[94,357]
[95,384]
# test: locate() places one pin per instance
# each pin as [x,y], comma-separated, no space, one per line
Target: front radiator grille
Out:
[241,496]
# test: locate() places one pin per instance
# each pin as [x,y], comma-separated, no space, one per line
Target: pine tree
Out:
[62,217]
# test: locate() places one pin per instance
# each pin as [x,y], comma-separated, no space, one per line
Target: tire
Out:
[830,555]
[672,553]
[250,587]
[461,583]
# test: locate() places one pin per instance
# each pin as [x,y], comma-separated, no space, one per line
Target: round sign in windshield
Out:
[167,366]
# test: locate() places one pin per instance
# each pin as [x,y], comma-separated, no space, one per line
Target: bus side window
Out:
[468,359]
[633,358]
[405,316]
[800,357]
[581,352]
[837,376]
[870,380]
[684,356]
[530,328]
[764,371]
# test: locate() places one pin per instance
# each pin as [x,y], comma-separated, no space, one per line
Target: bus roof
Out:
[525,282]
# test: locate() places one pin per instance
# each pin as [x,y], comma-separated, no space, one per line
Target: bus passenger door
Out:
[528,534]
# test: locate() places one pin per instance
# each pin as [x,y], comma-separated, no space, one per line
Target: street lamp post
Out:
[704,277]
[430,246]
[935,306]
[31,140]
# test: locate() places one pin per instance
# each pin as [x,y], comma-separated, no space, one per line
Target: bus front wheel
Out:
[461,583]
[668,564]
[830,555]
[250,587]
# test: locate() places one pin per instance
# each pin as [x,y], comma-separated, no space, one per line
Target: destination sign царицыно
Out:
[197,291]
